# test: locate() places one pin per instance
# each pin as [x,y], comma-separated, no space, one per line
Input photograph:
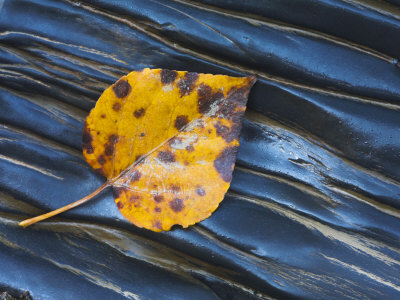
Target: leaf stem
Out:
[31,221]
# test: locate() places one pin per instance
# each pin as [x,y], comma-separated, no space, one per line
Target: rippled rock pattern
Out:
[314,206]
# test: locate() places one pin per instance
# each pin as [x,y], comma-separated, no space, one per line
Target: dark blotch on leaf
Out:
[101,159]
[234,133]
[122,88]
[175,188]
[238,96]
[100,171]
[139,113]
[139,159]
[87,140]
[109,147]
[103,116]
[117,106]
[158,225]
[181,122]
[157,209]
[238,116]
[120,205]
[176,205]
[117,191]
[166,156]
[134,198]
[113,138]
[226,109]
[187,83]
[168,76]
[224,162]
[221,129]
[200,191]
[158,198]
[207,97]
[135,175]
[228,134]
[204,92]
[236,127]
[189,148]
[174,140]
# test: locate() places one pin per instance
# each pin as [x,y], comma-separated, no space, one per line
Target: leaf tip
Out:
[252,79]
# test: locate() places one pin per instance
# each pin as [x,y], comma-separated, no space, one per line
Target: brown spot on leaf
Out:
[238,116]
[101,159]
[139,159]
[120,205]
[117,106]
[109,150]
[238,96]
[187,83]
[112,138]
[122,88]
[234,133]
[134,176]
[174,140]
[226,109]
[175,188]
[204,92]
[158,198]
[142,134]
[109,147]
[100,171]
[117,191]
[181,122]
[224,162]
[228,134]
[176,205]
[168,76]
[139,113]
[236,127]
[207,97]
[157,209]
[200,191]
[166,156]
[134,198]
[221,129]
[189,148]
[158,225]
[87,140]
[103,116]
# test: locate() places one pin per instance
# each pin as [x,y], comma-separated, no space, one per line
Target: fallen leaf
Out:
[166,141]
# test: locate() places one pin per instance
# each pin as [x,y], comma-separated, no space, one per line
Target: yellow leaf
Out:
[167,142]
